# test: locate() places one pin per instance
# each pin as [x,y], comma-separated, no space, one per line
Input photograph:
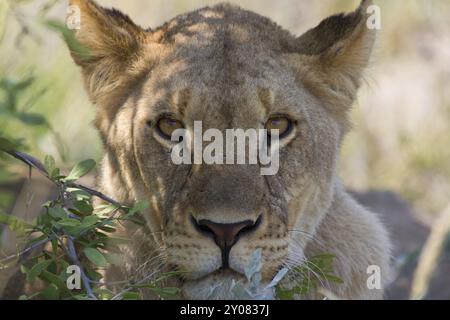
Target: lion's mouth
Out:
[221,272]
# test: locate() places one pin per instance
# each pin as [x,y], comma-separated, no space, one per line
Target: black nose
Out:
[225,234]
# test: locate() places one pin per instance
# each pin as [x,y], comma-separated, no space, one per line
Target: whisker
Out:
[301,260]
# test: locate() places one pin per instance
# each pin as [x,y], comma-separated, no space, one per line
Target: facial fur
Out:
[228,68]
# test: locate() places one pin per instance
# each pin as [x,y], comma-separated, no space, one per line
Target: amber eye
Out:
[167,125]
[280,122]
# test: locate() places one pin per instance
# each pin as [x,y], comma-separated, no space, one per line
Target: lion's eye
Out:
[167,125]
[280,122]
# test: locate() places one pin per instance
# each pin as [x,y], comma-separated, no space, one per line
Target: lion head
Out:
[228,68]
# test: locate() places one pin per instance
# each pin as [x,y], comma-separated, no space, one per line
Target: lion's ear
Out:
[105,45]
[334,54]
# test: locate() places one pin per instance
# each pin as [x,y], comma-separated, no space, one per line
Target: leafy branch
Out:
[73,232]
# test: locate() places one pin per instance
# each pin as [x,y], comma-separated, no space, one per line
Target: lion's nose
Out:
[225,234]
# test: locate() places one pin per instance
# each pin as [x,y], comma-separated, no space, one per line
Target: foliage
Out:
[71,231]
[317,270]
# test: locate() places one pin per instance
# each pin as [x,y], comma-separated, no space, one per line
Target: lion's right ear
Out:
[331,57]
[109,42]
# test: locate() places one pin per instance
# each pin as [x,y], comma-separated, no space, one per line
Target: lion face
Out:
[199,203]
[229,69]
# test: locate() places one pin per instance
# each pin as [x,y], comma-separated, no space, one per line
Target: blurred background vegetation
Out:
[401,122]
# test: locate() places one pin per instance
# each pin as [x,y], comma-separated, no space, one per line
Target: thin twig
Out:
[35,163]
[96,194]
[430,255]
[33,246]
[73,256]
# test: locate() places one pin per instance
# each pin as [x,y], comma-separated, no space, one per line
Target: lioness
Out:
[231,68]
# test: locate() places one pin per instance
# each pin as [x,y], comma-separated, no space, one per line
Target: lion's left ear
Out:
[331,57]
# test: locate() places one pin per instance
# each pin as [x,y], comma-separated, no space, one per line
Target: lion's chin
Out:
[215,286]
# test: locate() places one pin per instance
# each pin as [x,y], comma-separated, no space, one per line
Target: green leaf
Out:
[54,279]
[167,292]
[50,165]
[6,144]
[89,221]
[22,85]
[138,207]
[57,212]
[68,222]
[79,194]
[36,270]
[80,170]
[74,231]
[25,297]
[83,207]
[51,292]
[55,246]
[104,294]
[309,275]
[24,269]
[93,275]
[95,256]
[107,229]
[33,119]
[131,296]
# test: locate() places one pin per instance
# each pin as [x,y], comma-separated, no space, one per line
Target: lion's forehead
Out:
[225,24]
[214,62]
[240,88]
[222,53]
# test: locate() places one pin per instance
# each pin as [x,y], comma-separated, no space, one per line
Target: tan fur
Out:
[231,68]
